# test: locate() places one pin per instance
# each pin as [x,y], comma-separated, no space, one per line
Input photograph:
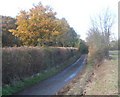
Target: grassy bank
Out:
[102,80]
[27,82]
[105,79]
[77,84]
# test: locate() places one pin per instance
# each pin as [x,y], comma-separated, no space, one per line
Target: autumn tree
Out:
[38,25]
[69,38]
[7,38]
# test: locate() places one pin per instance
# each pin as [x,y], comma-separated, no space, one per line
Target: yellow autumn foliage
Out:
[38,23]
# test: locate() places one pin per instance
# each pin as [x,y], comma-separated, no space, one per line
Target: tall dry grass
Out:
[21,62]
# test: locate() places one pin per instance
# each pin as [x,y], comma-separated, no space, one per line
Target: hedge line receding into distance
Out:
[22,62]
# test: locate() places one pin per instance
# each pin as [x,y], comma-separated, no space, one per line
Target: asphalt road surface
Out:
[55,83]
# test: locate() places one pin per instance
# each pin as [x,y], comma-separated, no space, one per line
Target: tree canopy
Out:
[38,25]
[7,38]
[99,35]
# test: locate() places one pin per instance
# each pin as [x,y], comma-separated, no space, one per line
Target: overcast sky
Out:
[76,12]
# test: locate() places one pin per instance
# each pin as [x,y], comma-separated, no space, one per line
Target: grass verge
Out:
[20,85]
[105,79]
[77,84]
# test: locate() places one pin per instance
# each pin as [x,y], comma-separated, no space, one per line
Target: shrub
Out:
[96,56]
[22,62]
[83,48]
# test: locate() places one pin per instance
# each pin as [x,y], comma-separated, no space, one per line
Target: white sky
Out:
[76,12]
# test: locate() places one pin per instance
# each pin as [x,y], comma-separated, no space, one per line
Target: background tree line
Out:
[115,44]
[7,38]
[38,27]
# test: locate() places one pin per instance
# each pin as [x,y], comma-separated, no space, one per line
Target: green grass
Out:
[10,89]
[19,85]
[113,52]
[90,63]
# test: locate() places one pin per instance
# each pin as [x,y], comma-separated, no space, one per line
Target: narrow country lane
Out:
[55,83]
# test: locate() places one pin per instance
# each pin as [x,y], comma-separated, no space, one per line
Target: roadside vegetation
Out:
[36,45]
[102,80]
[104,61]
[98,37]
[101,73]
[105,78]
[24,62]
[22,75]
